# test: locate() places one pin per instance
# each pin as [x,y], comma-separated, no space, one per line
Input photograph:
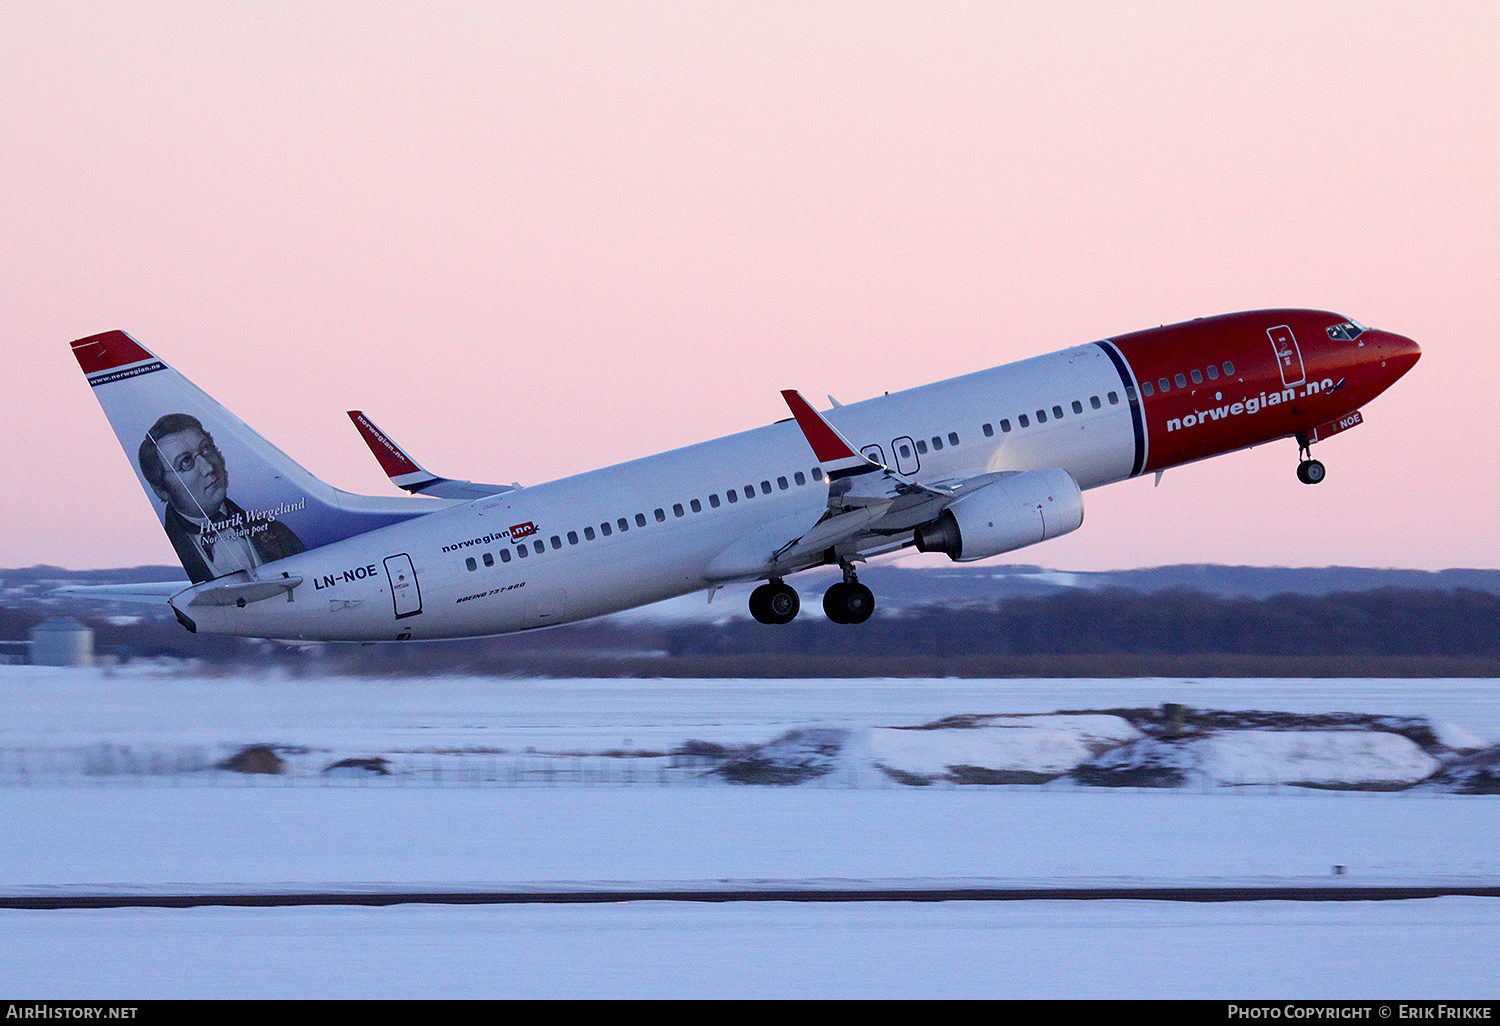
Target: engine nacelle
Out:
[1007,514]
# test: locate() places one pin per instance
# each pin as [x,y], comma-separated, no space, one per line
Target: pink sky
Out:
[534,239]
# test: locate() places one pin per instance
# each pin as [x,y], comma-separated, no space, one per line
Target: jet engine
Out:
[1007,514]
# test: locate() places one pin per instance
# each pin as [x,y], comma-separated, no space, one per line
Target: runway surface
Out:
[766,893]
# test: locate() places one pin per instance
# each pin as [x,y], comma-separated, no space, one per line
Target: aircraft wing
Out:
[871,509]
[867,504]
[407,473]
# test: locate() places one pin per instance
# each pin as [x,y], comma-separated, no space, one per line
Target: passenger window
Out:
[1005,425]
[522,551]
[471,564]
[696,506]
[1041,416]
[921,448]
[937,444]
[556,542]
[1229,368]
[781,483]
[489,559]
[1181,380]
[588,534]
[678,511]
[749,491]
[1213,373]
[800,478]
[538,547]
[1197,376]
[505,555]
[606,529]
[1057,412]
[1095,403]
[640,519]
[1147,389]
[1025,420]
[989,430]
[733,495]
[952,437]
[572,537]
[713,500]
[623,525]
[817,473]
[1078,406]
[1129,394]
[1164,385]
[765,488]
[661,515]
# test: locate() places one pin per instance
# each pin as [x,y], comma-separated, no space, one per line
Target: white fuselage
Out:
[683,532]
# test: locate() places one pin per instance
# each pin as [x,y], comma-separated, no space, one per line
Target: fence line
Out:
[115,765]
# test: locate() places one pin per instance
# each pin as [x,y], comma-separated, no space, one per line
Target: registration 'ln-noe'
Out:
[970,467]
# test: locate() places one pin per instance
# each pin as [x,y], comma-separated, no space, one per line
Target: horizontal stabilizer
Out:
[244,593]
[407,473]
[153,592]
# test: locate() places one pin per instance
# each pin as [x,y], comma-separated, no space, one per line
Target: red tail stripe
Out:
[107,351]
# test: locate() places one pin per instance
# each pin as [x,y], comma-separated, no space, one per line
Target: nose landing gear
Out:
[1309,470]
[775,602]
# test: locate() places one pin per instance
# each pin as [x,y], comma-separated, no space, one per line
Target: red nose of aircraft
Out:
[1397,353]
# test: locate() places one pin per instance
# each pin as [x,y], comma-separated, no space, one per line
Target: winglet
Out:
[407,473]
[403,471]
[831,448]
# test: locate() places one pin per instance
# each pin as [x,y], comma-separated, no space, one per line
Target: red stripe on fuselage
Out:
[1254,404]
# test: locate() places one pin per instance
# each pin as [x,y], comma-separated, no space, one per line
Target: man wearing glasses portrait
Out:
[212,535]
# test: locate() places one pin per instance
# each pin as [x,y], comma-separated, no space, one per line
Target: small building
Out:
[62,641]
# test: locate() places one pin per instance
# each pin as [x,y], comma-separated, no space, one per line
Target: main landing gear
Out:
[849,601]
[776,602]
[1309,470]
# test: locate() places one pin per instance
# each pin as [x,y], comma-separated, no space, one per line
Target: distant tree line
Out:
[1387,633]
[1387,622]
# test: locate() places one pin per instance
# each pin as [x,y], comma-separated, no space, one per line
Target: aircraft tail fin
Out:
[228,499]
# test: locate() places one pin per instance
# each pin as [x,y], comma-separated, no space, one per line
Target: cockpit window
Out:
[1347,332]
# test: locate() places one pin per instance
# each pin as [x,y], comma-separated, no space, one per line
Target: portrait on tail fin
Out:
[213,535]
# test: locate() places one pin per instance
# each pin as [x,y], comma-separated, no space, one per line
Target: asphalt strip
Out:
[1322,892]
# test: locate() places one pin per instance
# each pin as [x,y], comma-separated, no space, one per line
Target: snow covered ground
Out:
[187,829]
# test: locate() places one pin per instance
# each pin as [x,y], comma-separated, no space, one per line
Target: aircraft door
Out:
[875,453]
[546,607]
[405,593]
[906,455]
[1288,355]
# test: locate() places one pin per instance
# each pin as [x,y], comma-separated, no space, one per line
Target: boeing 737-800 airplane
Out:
[970,467]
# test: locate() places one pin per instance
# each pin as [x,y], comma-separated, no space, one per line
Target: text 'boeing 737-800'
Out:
[971,467]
